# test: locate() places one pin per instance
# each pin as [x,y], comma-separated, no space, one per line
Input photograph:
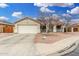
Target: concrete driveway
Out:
[23,45]
[20,44]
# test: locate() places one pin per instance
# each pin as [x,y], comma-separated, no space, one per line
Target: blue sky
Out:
[12,11]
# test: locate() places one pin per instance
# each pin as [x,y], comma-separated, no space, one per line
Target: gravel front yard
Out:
[53,37]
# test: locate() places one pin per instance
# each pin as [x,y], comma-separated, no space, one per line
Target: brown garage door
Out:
[8,29]
[75,29]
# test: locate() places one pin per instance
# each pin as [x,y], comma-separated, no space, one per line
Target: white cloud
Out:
[3,18]
[53,4]
[45,9]
[68,11]
[34,18]
[3,5]
[64,4]
[44,6]
[41,4]
[66,15]
[17,14]
[75,10]
[55,16]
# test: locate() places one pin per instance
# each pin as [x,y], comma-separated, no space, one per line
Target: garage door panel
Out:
[28,29]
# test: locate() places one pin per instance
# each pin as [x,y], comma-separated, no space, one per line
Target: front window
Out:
[58,28]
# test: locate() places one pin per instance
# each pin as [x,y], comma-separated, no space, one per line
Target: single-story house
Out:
[54,26]
[75,27]
[29,25]
[6,27]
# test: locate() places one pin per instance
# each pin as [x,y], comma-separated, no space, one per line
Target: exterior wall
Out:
[8,29]
[1,28]
[53,28]
[15,29]
[27,22]
[72,29]
[76,28]
[56,29]
[63,27]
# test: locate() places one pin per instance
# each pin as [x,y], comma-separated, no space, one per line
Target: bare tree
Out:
[67,21]
[46,17]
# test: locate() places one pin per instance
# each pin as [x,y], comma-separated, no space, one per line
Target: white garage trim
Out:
[28,29]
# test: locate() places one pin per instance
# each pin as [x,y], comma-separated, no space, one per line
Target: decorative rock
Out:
[44,37]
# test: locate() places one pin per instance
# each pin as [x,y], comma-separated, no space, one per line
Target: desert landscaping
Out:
[53,37]
[34,44]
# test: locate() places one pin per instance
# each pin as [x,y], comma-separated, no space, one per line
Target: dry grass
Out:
[53,37]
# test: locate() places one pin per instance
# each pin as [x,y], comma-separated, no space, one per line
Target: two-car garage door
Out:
[28,29]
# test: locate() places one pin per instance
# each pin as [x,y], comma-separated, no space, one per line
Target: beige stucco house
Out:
[29,25]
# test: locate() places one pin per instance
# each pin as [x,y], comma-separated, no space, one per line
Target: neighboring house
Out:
[75,27]
[27,25]
[6,27]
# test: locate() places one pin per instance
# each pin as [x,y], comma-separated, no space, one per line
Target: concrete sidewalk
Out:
[45,49]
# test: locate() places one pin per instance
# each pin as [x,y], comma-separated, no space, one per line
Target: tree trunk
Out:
[47,28]
[66,29]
